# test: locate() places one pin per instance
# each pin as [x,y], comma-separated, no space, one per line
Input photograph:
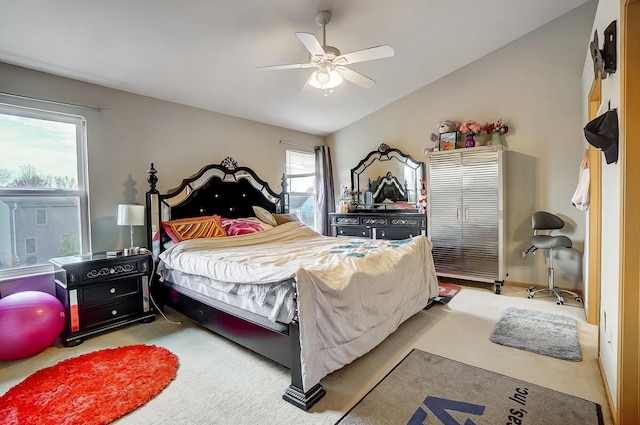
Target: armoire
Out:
[465,211]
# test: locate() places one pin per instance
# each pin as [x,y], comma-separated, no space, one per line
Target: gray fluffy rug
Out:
[543,333]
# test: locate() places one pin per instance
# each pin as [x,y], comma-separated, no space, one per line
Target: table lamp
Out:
[130,215]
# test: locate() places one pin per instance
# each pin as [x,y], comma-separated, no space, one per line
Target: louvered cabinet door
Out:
[481,214]
[444,216]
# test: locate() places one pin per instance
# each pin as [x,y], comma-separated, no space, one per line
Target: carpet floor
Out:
[429,389]
[219,382]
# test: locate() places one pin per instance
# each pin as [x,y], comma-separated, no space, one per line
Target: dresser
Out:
[389,225]
[101,293]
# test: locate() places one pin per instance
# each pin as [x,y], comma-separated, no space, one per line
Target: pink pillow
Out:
[243,226]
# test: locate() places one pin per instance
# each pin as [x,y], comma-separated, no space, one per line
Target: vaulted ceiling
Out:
[205,53]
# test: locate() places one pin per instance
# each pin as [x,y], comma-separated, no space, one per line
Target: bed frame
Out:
[229,191]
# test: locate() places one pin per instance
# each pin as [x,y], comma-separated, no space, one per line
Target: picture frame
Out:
[448,141]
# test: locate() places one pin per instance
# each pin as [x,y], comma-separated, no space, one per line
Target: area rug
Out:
[446,291]
[548,334]
[425,389]
[94,388]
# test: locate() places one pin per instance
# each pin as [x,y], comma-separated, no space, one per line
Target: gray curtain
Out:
[325,199]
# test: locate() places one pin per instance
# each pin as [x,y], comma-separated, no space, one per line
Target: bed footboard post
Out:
[295,393]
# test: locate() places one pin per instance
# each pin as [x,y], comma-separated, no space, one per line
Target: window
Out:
[301,177]
[43,194]
[30,246]
[41,216]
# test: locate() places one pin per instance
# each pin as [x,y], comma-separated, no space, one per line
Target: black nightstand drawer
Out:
[110,291]
[111,270]
[98,317]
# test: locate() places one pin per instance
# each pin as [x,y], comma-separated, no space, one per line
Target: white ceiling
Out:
[205,53]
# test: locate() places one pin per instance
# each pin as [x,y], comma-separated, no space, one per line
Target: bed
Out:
[312,303]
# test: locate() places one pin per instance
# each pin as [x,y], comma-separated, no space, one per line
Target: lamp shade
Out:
[130,215]
[325,78]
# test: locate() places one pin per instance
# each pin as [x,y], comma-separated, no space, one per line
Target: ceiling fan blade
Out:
[311,43]
[355,77]
[372,53]
[291,66]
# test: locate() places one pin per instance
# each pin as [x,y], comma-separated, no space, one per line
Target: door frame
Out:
[628,379]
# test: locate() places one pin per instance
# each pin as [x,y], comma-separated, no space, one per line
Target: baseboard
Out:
[525,285]
[612,410]
[528,285]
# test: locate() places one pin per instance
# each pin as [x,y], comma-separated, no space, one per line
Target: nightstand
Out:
[101,293]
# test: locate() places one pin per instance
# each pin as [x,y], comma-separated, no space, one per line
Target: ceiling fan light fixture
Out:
[332,77]
[322,76]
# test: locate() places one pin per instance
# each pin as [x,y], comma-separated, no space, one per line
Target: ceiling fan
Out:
[330,63]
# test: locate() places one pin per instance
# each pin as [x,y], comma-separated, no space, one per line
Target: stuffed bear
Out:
[445,126]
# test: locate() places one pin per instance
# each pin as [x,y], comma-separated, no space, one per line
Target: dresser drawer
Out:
[395,233]
[97,317]
[110,291]
[358,231]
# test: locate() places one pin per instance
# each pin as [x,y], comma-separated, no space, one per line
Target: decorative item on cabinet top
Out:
[495,130]
[445,128]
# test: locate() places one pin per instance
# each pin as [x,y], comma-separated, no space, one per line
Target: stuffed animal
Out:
[446,126]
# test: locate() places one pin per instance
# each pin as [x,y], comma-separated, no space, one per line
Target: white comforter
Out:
[352,293]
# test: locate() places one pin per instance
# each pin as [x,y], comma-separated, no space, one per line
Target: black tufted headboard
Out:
[224,189]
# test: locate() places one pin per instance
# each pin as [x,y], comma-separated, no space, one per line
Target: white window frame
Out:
[289,175]
[81,193]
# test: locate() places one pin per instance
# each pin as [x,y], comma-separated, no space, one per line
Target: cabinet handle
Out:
[383,235]
[114,312]
[112,290]
[466,215]
[458,214]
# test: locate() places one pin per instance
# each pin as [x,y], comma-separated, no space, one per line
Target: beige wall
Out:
[535,84]
[137,130]
[608,11]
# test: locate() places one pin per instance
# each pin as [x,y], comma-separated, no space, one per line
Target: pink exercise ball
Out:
[29,322]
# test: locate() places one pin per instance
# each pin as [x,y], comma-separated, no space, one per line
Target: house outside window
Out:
[30,246]
[41,217]
[301,176]
[43,189]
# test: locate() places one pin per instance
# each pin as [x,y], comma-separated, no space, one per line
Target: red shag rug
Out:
[94,388]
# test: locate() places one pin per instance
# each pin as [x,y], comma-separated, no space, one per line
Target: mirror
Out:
[387,179]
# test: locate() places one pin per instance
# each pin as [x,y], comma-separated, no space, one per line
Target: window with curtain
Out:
[301,175]
[43,192]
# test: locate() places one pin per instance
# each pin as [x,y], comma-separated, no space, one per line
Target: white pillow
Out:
[264,215]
